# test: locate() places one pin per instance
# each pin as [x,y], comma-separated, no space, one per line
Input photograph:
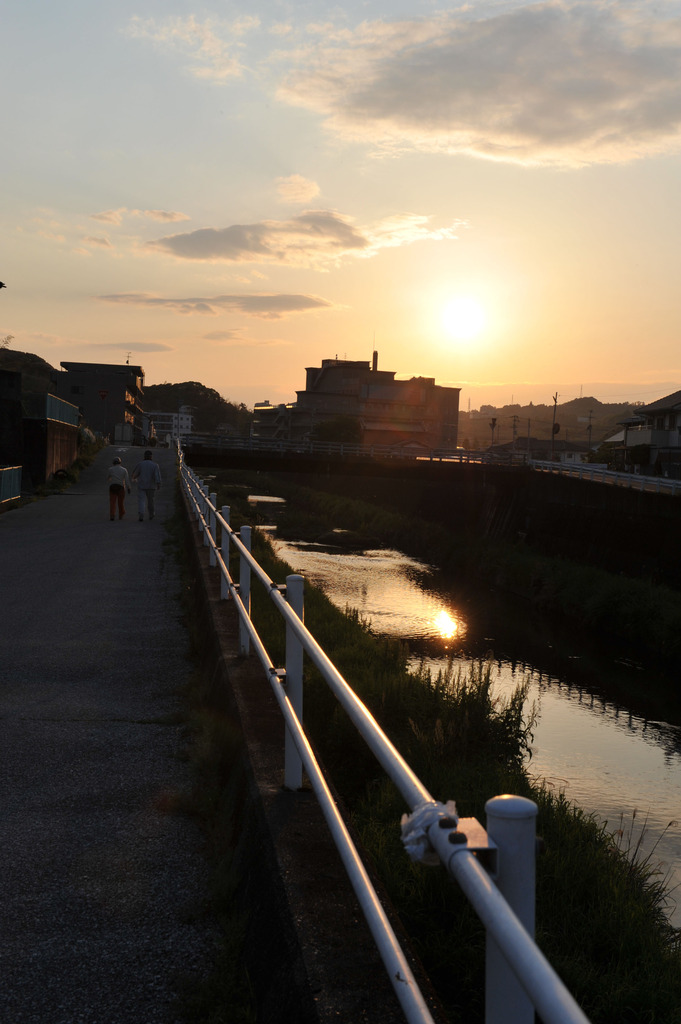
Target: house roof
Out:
[672,401]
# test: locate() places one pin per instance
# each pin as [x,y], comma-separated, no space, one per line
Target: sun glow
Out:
[463,318]
[446,626]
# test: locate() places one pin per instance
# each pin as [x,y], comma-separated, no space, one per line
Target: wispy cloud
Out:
[102,242]
[116,216]
[315,239]
[550,83]
[135,346]
[296,189]
[210,46]
[268,307]
[237,339]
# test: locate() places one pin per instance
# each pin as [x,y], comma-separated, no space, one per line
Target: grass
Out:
[601,919]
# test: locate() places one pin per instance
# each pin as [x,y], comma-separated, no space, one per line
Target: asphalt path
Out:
[102,886]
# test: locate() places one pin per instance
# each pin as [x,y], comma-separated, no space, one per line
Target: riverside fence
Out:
[495,867]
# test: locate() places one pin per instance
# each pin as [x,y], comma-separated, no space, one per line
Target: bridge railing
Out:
[494,868]
[343,449]
[632,481]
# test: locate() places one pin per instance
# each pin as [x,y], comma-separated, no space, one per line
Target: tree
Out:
[345,429]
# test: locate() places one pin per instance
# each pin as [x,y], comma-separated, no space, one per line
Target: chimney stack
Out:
[374,361]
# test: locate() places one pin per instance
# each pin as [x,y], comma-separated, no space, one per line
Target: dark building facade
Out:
[109,396]
[38,431]
[398,413]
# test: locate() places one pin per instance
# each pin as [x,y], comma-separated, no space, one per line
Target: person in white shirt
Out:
[119,482]
[148,476]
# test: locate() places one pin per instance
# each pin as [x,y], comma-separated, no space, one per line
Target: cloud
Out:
[116,216]
[563,84]
[317,239]
[137,346]
[92,240]
[296,189]
[211,46]
[236,339]
[268,307]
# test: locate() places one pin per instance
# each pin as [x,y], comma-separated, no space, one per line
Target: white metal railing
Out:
[633,481]
[495,868]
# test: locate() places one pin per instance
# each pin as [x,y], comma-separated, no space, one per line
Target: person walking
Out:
[148,476]
[118,481]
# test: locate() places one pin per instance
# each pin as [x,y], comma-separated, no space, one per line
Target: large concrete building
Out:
[398,413]
[109,396]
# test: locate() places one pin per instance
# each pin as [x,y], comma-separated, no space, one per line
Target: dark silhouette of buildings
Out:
[399,413]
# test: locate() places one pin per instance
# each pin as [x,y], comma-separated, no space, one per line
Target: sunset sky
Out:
[229,192]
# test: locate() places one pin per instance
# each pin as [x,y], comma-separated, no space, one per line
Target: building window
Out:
[77,389]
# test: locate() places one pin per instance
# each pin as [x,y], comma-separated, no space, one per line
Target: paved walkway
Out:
[99,885]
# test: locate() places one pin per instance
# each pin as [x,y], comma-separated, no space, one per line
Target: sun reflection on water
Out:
[446,625]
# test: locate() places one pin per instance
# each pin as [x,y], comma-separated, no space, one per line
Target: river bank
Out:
[600,919]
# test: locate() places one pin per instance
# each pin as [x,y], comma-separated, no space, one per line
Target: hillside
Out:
[36,373]
[573,418]
[211,411]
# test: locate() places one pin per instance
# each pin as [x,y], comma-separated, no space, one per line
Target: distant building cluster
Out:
[171,425]
[414,413]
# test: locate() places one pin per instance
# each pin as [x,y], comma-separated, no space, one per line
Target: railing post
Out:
[212,560]
[293,765]
[245,590]
[510,824]
[224,544]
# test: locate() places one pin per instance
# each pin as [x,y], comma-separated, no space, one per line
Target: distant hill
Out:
[36,374]
[573,418]
[211,411]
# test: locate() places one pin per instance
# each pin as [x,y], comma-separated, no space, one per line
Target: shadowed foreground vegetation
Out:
[601,908]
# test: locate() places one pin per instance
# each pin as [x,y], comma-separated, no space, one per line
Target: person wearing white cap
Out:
[119,482]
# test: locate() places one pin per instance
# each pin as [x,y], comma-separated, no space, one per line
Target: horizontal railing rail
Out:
[494,868]
[342,449]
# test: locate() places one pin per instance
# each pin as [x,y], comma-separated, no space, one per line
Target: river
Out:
[606,753]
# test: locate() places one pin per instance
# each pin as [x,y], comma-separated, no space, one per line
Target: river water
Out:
[607,755]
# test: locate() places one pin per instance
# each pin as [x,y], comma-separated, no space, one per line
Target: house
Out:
[109,397]
[390,412]
[651,441]
[544,450]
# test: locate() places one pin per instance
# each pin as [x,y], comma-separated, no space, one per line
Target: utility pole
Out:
[588,429]
[515,429]
[553,425]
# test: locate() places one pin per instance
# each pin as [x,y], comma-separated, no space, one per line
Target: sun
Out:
[463,318]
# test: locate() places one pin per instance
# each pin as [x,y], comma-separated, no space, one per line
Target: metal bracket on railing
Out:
[470,835]
[280,673]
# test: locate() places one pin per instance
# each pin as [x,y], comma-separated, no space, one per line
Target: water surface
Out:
[608,757]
